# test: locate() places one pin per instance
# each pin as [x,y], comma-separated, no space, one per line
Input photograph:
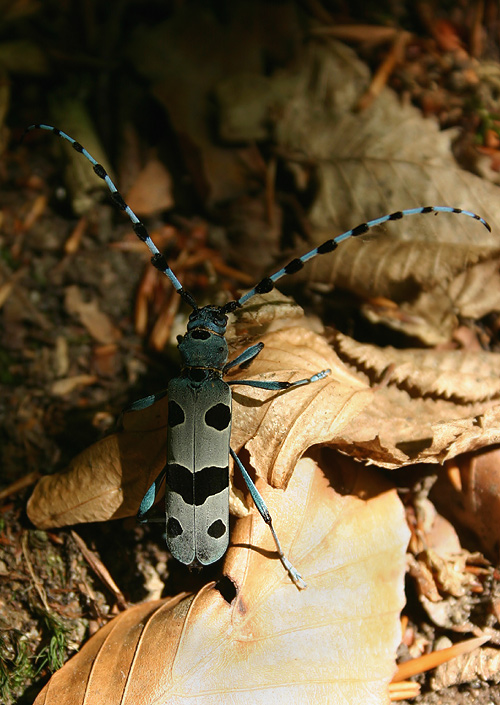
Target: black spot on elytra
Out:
[217,529]
[174,528]
[209,482]
[218,417]
[196,488]
[176,415]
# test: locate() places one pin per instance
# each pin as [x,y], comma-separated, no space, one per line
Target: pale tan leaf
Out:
[66,385]
[399,430]
[267,642]
[97,323]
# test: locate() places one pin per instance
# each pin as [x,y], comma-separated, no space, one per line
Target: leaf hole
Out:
[227,589]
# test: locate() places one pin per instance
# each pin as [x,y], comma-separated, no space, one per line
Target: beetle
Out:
[196,473]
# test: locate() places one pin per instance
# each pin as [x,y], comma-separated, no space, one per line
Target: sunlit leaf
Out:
[253,637]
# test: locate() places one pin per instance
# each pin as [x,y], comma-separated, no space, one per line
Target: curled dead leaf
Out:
[462,375]
[277,429]
[481,665]
[474,501]
[429,409]
[253,636]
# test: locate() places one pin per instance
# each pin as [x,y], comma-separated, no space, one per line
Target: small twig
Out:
[357,33]
[436,658]
[476,32]
[384,70]
[36,581]
[403,690]
[20,484]
[72,244]
[271,190]
[100,570]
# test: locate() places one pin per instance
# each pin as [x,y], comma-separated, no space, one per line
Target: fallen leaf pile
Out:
[322,454]
[253,637]
[384,159]
[109,480]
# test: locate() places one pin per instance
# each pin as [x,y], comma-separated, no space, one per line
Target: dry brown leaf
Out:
[277,433]
[109,479]
[97,323]
[380,160]
[182,80]
[437,269]
[152,189]
[397,430]
[451,281]
[400,423]
[366,164]
[268,642]
[475,502]
[403,426]
[447,580]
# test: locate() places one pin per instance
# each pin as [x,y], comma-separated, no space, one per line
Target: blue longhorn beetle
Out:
[196,473]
